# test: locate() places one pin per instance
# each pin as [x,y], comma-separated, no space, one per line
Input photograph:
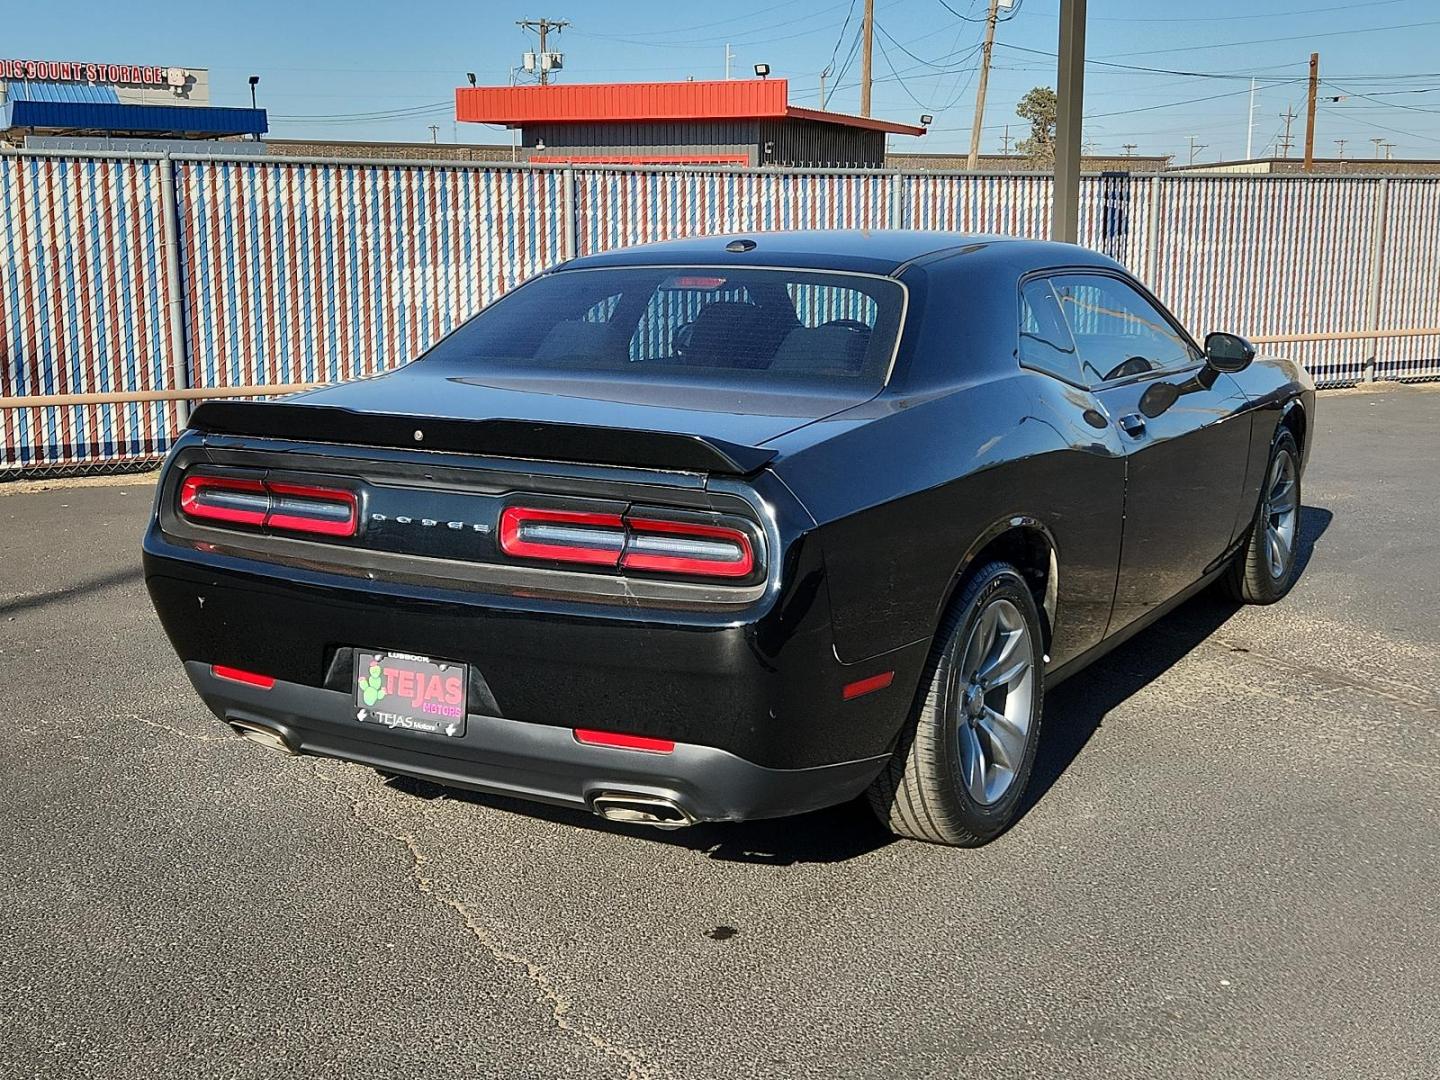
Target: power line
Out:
[1232,18]
[886,57]
[1156,70]
[849,14]
[742,18]
[736,38]
[1388,104]
[1291,37]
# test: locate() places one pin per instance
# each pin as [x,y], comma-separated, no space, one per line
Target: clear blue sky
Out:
[325,65]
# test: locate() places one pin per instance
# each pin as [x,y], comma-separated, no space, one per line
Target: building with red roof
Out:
[729,122]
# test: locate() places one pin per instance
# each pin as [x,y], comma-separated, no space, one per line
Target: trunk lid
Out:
[721,428]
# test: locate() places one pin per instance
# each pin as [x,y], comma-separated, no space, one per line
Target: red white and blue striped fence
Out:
[136,274]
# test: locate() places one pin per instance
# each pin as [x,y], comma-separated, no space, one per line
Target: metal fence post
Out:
[895,198]
[1376,269]
[175,308]
[570,207]
[1152,232]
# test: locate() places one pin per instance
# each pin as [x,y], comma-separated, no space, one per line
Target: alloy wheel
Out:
[1282,513]
[996,682]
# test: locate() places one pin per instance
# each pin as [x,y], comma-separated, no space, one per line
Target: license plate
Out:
[413,693]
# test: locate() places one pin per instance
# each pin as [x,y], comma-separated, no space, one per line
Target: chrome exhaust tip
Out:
[261,734]
[636,809]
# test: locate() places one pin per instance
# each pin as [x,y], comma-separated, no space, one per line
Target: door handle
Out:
[1132,424]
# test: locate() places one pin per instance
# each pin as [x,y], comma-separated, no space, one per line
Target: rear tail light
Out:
[563,535]
[296,508]
[222,498]
[302,508]
[681,547]
[627,543]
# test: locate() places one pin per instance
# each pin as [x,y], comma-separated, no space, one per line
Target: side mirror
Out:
[1228,352]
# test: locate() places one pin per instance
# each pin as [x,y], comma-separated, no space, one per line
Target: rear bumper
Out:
[534,761]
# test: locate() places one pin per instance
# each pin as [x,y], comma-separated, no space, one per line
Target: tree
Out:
[1039,107]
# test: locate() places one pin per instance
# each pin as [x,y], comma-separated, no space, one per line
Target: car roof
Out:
[878,251]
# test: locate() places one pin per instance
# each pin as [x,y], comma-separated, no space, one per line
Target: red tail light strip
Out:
[218,498]
[302,508]
[626,543]
[220,671]
[682,547]
[298,508]
[563,535]
[624,742]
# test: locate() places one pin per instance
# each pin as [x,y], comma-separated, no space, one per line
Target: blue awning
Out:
[75,93]
[114,119]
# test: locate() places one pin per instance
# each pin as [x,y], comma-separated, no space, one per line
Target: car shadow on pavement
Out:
[1075,710]
[32,601]
[1073,713]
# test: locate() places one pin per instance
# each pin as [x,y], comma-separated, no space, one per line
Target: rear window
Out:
[698,323]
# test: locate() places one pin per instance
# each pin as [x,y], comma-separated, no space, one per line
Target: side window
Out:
[1045,342]
[1118,332]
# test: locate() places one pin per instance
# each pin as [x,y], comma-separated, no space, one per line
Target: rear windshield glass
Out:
[688,323]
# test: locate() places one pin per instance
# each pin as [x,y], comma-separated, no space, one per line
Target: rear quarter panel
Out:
[905,499]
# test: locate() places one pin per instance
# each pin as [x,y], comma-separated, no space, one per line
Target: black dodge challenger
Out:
[732,527]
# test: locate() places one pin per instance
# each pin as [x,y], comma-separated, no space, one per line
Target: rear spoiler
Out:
[496,437]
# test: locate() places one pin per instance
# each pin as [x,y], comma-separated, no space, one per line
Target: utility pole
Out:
[729,55]
[1341,144]
[1389,146]
[434,134]
[1195,149]
[1379,142]
[823,75]
[973,161]
[1005,141]
[867,34]
[1069,115]
[1285,141]
[1310,112]
[543,28]
[1250,124]
[1129,149]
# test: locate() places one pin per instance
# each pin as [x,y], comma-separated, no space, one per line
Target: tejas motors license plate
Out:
[415,693]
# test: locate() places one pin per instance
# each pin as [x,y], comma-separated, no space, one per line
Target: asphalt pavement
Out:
[1230,867]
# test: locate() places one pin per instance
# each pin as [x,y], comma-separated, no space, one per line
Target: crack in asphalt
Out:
[559,1003]
[161,726]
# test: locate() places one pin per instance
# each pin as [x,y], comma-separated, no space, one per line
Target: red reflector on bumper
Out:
[624,742]
[868,686]
[235,674]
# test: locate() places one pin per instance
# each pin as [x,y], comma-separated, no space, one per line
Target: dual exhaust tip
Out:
[633,808]
[630,808]
[262,735]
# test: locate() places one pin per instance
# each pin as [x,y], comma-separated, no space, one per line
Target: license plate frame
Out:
[404,692]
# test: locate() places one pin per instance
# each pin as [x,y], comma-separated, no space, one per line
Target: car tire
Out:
[1264,569]
[958,774]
